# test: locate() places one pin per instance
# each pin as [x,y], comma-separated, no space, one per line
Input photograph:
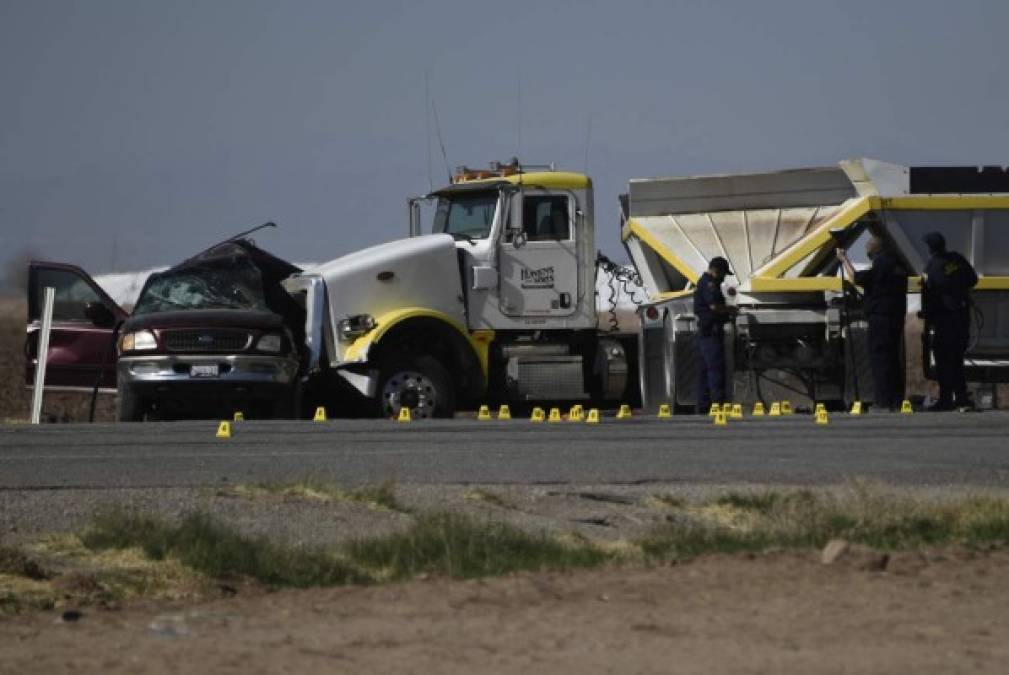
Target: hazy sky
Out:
[135,132]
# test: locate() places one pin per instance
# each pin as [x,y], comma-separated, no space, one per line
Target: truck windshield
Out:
[466,215]
[236,285]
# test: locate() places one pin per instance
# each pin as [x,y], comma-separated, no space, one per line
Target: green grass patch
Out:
[203,544]
[459,547]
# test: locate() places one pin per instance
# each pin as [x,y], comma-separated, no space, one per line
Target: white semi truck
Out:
[499,302]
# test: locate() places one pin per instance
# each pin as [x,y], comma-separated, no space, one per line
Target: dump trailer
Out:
[800,332]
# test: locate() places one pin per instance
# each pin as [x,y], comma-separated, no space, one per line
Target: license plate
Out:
[204,370]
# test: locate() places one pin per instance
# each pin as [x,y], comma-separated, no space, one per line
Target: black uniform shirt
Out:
[885,285]
[948,280]
[708,293]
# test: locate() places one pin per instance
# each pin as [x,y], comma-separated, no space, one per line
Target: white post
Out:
[43,353]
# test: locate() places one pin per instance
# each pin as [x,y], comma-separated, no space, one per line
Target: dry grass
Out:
[380,497]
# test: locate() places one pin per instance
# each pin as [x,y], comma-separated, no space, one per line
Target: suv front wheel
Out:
[419,383]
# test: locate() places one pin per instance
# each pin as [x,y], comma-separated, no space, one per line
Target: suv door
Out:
[539,262]
[85,319]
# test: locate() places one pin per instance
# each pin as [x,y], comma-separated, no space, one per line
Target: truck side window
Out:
[546,218]
[72,294]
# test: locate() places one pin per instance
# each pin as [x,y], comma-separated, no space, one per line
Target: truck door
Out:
[538,259]
[82,342]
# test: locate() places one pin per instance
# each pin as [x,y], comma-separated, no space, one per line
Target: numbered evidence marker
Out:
[775,409]
[224,429]
[758,409]
[624,412]
[665,411]
[821,416]
[484,413]
[555,415]
[404,415]
[538,415]
[593,417]
[504,413]
[320,414]
[856,408]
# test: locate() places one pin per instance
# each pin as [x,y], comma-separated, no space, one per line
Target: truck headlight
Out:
[139,341]
[355,326]
[270,343]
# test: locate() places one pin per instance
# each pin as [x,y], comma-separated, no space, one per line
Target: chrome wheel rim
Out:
[409,389]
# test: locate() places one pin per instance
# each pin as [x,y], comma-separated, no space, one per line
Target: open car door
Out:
[82,350]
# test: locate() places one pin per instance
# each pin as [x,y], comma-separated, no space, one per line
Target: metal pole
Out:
[42,353]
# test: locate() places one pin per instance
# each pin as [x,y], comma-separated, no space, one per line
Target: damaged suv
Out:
[214,334]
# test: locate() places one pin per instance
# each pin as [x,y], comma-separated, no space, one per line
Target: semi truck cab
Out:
[497,300]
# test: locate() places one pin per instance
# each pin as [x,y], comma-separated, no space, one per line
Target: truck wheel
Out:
[130,406]
[419,383]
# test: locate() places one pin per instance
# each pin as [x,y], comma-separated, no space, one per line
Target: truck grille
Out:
[209,340]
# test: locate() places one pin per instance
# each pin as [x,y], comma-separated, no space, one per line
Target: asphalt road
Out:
[922,449]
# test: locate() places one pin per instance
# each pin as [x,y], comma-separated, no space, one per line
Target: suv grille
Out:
[209,340]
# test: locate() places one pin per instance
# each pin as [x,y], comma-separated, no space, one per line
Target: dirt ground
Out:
[777,613]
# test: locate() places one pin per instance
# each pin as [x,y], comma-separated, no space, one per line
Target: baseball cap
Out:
[720,263]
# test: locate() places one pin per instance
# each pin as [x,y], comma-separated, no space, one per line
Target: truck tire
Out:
[130,406]
[420,383]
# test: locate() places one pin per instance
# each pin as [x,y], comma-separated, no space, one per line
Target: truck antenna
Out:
[441,141]
[518,112]
[427,127]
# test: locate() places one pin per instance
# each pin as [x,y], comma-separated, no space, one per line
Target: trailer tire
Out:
[420,383]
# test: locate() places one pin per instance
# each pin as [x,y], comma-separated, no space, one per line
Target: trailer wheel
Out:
[131,408]
[419,383]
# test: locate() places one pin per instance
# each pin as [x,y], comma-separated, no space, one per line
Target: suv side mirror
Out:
[100,315]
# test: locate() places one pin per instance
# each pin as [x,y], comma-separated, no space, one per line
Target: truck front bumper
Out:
[239,370]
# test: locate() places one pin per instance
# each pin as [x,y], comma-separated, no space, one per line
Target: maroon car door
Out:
[82,350]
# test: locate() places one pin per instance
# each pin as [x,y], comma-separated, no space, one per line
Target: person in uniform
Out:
[945,301]
[885,306]
[712,313]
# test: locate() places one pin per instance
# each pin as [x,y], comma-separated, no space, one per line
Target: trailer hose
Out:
[622,275]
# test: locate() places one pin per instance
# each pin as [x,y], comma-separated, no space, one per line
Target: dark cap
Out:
[935,242]
[720,263]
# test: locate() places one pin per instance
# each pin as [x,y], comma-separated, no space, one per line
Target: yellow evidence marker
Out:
[555,415]
[538,415]
[593,417]
[624,412]
[224,429]
[856,408]
[906,408]
[821,416]
[715,409]
[775,410]
[820,408]
[484,413]
[721,419]
[238,417]
[576,414]
[504,412]
[786,407]
[737,411]
[665,411]
[404,415]
[758,409]
[320,414]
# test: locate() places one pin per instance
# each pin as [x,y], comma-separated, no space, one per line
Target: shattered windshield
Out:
[235,284]
[466,215]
